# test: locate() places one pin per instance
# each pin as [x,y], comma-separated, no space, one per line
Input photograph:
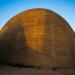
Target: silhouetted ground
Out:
[7,70]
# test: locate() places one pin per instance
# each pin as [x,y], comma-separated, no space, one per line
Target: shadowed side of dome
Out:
[38,38]
[74,48]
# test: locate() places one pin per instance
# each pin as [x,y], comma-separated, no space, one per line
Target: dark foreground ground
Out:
[7,70]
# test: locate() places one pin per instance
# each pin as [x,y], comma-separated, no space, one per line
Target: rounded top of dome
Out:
[36,12]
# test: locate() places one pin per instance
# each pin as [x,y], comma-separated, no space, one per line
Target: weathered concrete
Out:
[39,38]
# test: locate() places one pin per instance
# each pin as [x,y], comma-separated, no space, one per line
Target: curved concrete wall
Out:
[39,38]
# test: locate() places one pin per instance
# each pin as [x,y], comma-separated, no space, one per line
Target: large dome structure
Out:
[39,38]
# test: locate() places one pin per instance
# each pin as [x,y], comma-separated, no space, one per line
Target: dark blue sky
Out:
[65,8]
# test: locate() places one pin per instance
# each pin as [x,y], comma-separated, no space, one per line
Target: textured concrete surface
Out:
[6,70]
[37,38]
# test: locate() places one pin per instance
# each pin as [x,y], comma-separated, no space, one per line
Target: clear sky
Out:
[65,8]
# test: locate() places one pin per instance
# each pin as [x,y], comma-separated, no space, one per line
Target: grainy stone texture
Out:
[7,70]
[38,38]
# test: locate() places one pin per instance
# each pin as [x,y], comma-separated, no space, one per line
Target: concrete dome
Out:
[39,38]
